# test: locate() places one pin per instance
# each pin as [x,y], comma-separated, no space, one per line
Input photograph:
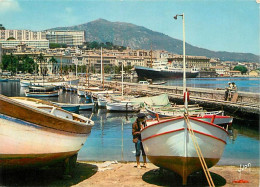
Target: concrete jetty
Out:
[246,106]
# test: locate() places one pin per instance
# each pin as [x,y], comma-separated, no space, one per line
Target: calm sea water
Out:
[245,84]
[111,137]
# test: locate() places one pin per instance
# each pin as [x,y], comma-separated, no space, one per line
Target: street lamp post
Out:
[184,59]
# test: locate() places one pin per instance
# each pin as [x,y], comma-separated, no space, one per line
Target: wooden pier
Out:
[246,106]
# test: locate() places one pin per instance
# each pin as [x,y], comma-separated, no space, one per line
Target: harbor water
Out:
[111,137]
[244,84]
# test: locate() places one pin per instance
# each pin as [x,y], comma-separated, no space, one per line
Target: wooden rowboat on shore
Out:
[169,144]
[35,133]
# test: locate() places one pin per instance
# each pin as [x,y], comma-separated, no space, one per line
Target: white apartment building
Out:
[71,38]
[30,38]
[43,44]
[129,61]
[22,35]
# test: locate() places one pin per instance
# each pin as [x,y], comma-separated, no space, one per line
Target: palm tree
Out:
[41,59]
[54,62]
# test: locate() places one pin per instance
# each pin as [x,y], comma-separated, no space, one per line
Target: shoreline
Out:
[112,173]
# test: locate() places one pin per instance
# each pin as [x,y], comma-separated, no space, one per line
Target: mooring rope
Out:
[199,153]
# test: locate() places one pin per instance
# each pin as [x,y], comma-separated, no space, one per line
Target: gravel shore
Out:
[126,174]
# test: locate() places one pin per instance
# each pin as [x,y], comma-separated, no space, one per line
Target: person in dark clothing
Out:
[137,126]
[228,91]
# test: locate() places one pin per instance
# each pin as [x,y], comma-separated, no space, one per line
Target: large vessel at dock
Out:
[161,69]
[35,133]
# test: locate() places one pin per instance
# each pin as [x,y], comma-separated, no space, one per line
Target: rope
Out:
[199,153]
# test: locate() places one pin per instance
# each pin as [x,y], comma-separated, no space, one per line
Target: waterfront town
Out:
[75,51]
[69,127]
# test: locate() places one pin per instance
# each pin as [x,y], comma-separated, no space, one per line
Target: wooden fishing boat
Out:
[168,144]
[75,107]
[3,79]
[86,106]
[68,106]
[123,106]
[25,83]
[81,92]
[41,91]
[36,133]
[197,112]
[102,101]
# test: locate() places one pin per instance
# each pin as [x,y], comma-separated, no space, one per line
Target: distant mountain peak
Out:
[139,37]
[101,20]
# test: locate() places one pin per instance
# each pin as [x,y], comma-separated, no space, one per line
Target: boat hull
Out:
[101,102]
[123,107]
[81,93]
[150,73]
[24,83]
[169,145]
[24,144]
[42,94]
[88,106]
[71,108]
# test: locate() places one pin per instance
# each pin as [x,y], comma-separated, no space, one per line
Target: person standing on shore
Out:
[137,126]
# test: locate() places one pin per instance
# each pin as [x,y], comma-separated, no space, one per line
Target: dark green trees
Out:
[14,64]
[243,69]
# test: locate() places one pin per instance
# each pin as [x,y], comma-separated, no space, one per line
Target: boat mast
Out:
[87,72]
[101,63]
[184,64]
[61,66]
[122,80]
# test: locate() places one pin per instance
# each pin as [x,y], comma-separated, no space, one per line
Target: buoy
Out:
[241,181]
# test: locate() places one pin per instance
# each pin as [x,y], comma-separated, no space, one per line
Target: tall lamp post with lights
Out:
[184,63]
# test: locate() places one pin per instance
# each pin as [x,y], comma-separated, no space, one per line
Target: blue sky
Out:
[219,25]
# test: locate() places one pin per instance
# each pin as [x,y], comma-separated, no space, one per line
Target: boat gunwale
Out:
[177,118]
[69,123]
[177,130]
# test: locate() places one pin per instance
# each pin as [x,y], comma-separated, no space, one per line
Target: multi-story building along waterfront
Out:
[44,44]
[129,61]
[22,35]
[201,62]
[13,38]
[71,38]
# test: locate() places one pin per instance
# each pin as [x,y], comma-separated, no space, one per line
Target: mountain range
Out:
[138,37]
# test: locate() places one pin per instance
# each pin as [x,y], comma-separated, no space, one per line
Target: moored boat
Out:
[35,133]
[123,106]
[86,106]
[81,92]
[3,79]
[164,72]
[195,111]
[102,101]
[41,91]
[68,106]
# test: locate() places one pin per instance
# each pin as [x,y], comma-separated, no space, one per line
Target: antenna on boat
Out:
[184,63]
